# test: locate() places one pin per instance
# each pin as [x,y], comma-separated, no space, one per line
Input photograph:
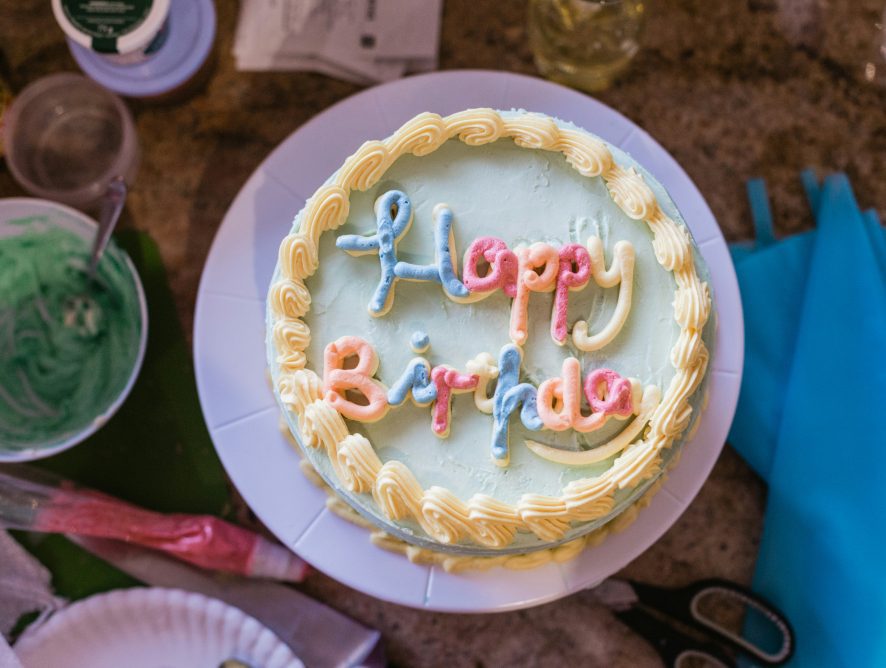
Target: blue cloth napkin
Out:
[809,421]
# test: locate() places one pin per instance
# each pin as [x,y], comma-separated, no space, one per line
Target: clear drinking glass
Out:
[585,44]
[67,139]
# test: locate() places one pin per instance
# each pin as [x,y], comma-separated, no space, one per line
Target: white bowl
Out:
[74,221]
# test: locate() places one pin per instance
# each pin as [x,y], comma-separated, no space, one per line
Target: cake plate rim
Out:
[241,412]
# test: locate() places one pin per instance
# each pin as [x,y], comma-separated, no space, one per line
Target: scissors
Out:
[672,621]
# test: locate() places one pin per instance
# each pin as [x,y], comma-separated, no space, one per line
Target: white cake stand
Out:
[240,410]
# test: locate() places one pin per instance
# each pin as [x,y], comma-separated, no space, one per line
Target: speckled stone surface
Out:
[734,89]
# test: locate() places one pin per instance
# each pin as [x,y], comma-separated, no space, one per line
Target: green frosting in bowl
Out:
[68,344]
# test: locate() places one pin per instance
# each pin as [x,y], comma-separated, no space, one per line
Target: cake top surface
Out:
[408,278]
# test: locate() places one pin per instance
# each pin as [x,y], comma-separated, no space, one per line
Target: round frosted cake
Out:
[489,332]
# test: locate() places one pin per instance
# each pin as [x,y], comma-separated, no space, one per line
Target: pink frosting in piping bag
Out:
[202,540]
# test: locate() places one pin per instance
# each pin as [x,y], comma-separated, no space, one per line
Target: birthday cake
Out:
[489,332]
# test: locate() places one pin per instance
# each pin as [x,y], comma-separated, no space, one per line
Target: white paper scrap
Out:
[363,41]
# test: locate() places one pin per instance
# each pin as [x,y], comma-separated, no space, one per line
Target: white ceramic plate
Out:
[147,628]
[239,407]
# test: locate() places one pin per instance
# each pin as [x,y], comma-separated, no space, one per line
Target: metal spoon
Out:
[112,207]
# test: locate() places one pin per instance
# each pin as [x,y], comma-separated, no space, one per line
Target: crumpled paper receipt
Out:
[24,587]
[362,41]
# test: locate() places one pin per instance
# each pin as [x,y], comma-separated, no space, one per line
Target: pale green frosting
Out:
[521,196]
[67,344]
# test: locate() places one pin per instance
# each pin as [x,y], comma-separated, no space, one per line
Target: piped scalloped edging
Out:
[482,520]
[459,563]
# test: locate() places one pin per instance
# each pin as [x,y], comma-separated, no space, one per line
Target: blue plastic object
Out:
[809,421]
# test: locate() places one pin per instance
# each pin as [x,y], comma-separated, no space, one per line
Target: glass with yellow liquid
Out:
[585,44]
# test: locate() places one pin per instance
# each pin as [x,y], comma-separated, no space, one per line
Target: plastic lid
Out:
[111,26]
[191,33]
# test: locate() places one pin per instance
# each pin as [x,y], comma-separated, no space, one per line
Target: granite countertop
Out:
[732,89]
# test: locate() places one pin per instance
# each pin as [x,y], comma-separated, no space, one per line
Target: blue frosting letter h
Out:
[389,231]
[508,396]
[393,213]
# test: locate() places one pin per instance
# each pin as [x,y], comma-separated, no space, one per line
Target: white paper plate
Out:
[242,415]
[147,628]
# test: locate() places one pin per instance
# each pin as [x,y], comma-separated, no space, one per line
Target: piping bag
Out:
[810,421]
[32,500]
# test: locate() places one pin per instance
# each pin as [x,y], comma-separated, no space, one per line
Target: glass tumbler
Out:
[67,138]
[585,44]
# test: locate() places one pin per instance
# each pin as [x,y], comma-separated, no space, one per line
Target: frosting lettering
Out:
[650,397]
[444,240]
[508,396]
[620,272]
[337,380]
[393,212]
[555,405]
[447,381]
[573,274]
[393,216]
[608,393]
[415,381]
[489,265]
[559,399]
[420,341]
[483,366]
[502,272]
[537,271]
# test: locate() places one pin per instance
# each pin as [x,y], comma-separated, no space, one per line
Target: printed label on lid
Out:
[106,20]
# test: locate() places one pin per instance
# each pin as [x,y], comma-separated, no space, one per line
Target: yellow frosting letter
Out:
[621,271]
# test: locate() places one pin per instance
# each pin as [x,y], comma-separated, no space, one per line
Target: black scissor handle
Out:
[684,604]
[672,645]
